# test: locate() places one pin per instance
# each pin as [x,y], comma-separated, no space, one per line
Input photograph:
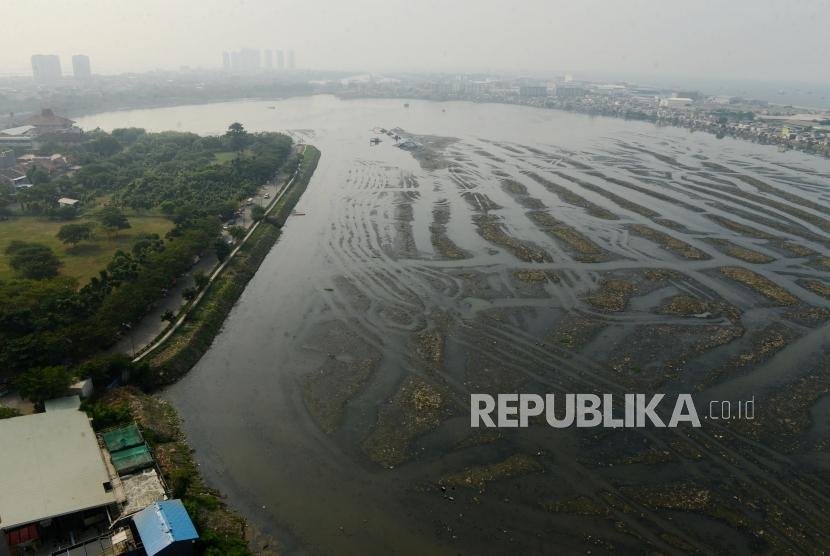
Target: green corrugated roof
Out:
[125,437]
[132,459]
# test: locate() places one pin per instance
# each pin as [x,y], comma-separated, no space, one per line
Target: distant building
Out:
[570,91]
[48,122]
[165,529]
[292,62]
[533,91]
[81,68]
[611,90]
[694,95]
[7,159]
[46,68]
[21,137]
[246,60]
[676,102]
[269,59]
[12,177]
[280,59]
[226,61]
[52,164]
[67,202]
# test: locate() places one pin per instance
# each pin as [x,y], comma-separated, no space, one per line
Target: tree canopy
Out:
[46,319]
[75,233]
[113,220]
[33,260]
[44,383]
[237,136]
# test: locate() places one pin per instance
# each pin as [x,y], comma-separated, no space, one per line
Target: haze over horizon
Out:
[540,37]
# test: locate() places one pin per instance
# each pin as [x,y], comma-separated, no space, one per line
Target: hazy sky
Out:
[757,39]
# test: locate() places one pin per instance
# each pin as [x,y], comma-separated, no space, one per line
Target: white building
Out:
[81,68]
[676,102]
[52,466]
[46,68]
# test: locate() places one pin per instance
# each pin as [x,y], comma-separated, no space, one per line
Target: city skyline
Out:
[253,60]
[645,37]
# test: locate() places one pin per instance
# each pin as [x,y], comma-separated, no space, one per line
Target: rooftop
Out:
[51,466]
[48,118]
[162,524]
[17,131]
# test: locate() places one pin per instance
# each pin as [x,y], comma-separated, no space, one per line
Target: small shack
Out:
[165,529]
[67,202]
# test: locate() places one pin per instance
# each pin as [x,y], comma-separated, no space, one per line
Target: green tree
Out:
[113,220]
[221,248]
[128,135]
[200,279]
[105,146]
[123,267]
[65,212]
[237,136]
[44,383]
[145,245]
[73,234]
[237,232]
[33,260]
[257,213]
[168,316]
[37,175]
[5,202]
[103,368]
[168,207]
[105,416]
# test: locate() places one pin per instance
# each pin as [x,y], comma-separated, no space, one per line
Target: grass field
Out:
[89,257]
[227,156]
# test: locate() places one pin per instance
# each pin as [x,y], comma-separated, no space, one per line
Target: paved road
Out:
[149,327]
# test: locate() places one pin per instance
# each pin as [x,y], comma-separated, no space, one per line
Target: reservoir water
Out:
[515,249]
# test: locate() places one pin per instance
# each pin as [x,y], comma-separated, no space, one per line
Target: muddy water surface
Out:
[520,250]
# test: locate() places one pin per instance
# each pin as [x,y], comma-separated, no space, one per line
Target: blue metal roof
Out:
[163,523]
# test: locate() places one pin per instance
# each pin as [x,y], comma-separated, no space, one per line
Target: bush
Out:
[33,260]
[201,279]
[221,248]
[104,368]
[8,412]
[44,383]
[105,416]
[180,481]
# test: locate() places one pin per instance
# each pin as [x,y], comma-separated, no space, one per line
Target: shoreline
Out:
[221,527]
[173,355]
[821,151]
[719,133]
